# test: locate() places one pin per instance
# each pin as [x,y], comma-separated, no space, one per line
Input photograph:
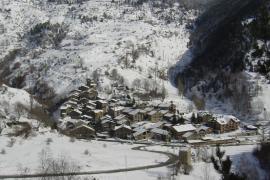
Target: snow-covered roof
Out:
[148,109]
[120,117]
[169,115]
[224,119]
[152,113]
[203,128]
[164,105]
[77,111]
[83,126]
[251,127]
[160,131]
[122,126]
[127,110]
[184,128]
[97,110]
[90,107]
[139,132]
[118,108]
[102,101]
[87,116]
[163,111]
[105,121]
[156,125]
[187,134]
[134,112]
[64,107]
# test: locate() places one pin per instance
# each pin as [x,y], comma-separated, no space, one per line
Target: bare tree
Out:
[146,85]
[114,74]
[136,83]
[164,92]
[96,76]
[19,109]
[181,87]
[206,172]
[58,166]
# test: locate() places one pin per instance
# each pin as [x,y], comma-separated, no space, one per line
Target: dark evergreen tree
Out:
[224,166]
[193,118]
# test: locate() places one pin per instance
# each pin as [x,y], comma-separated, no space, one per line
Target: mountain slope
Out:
[59,45]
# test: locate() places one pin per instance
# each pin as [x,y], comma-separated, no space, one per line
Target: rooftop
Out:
[184,128]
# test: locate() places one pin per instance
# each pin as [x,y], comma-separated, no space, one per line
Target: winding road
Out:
[172,160]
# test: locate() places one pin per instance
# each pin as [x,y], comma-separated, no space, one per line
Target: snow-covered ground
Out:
[106,156]
[14,104]
[239,155]
[88,155]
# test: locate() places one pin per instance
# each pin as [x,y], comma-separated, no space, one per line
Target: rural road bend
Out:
[172,160]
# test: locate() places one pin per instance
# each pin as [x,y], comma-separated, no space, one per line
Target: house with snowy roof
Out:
[115,111]
[135,115]
[122,119]
[83,131]
[107,123]
[179,130]
[123,131]
[97,114]
[154,116]
[75,114]
[102,104]
[225,123]
[141,134]
[159,134]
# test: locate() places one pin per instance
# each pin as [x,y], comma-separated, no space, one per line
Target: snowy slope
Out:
[100,34]
[15,105]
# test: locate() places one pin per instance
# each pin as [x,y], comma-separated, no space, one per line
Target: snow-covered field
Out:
[25,153]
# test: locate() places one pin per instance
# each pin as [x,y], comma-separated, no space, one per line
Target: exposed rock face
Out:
[215,22]
[218,46]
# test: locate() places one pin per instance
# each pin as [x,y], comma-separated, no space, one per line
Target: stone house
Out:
[160,134]
[122,119]
[203,130]
[97,114]
[107,124]
[154,116]
[103,105]
[90,83]
[83,88]
[135,115]
[123,132]
[83,100]
[83,131]
[115,111]
[87,117]
[75,114]
[191,135]
[141,134]
[225,123]
[179,130]
[72,104]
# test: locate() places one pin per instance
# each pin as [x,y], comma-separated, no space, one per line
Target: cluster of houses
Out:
[86,115]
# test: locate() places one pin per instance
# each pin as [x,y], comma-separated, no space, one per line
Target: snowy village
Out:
[135,89]
[87,115]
